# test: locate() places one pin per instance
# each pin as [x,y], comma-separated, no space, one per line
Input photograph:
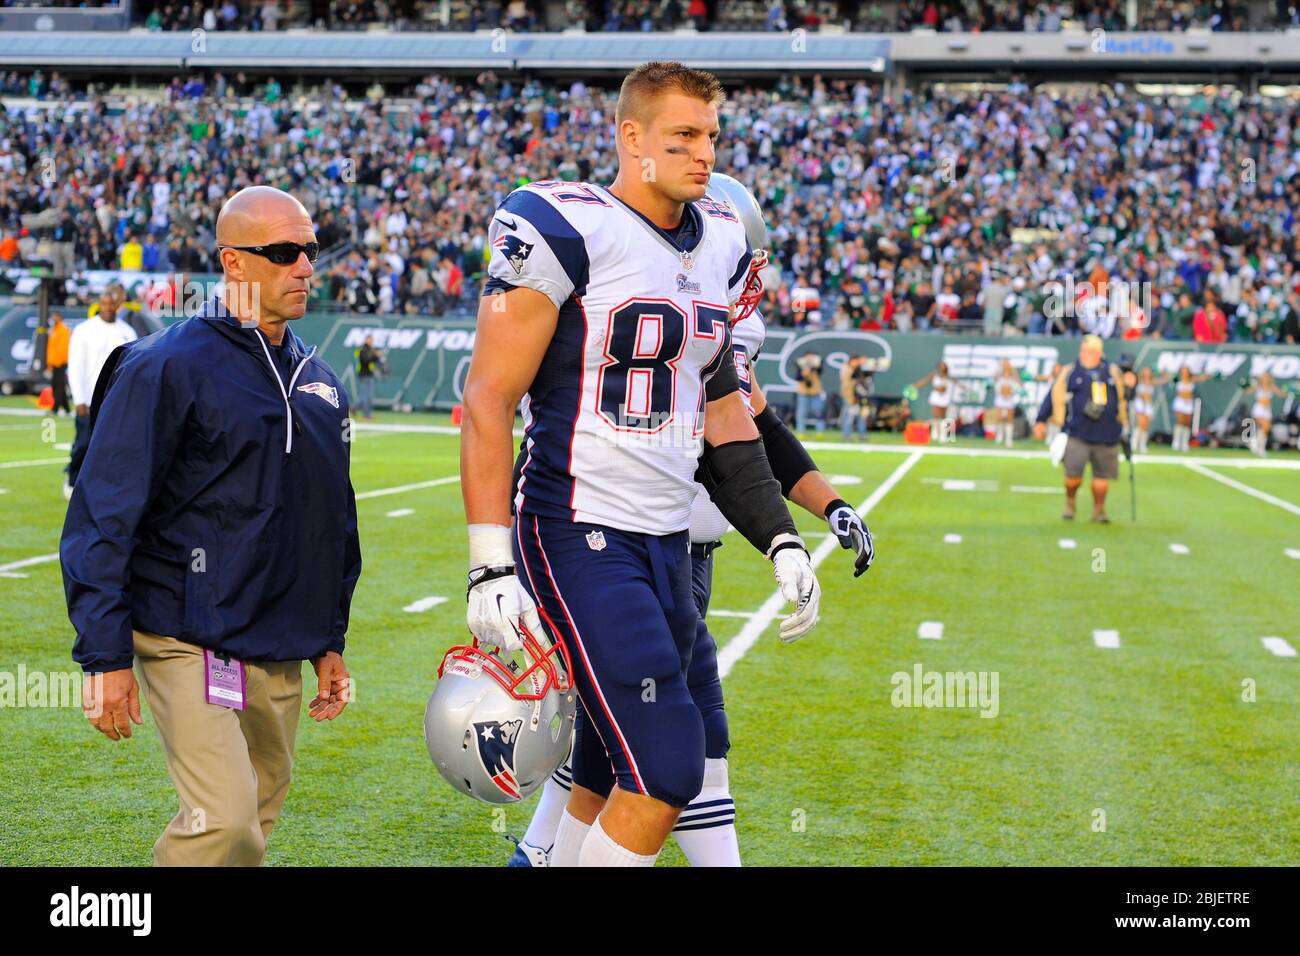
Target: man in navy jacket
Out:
[212,538]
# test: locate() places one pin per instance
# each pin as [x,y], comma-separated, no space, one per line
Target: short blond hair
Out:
[649,81]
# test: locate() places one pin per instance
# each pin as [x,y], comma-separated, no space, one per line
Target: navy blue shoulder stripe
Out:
[565,241]
[743,267]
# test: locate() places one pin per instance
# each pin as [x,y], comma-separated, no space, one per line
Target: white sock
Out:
[706,830]
[1009,432]
[570,837]
[599,849]
[546,818]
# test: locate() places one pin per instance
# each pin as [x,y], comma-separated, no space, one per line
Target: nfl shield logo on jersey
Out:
[596,540]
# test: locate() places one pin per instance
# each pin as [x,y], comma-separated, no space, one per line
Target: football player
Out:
[608,308]
[706,829]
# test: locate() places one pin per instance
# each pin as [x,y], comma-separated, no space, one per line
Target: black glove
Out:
[852,533]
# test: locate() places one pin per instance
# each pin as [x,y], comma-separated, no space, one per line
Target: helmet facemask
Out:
[752,294]
[530,673]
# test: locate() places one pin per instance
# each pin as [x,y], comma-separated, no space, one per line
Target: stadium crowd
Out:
[652,15]
[1003,212]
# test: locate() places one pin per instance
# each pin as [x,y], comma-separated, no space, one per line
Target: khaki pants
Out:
[231,768]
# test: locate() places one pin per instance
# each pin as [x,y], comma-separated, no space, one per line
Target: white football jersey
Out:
[747,335]
[614,420]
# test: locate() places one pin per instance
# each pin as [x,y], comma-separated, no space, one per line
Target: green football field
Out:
[1140,717]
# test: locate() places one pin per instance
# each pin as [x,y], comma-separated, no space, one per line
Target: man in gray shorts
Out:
[1088,403]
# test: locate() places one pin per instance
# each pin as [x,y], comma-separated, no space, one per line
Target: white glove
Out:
[498,607]
[498,604]
[794,573]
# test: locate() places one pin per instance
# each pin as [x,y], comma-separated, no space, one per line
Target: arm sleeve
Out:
[739,480]
[534,246]
[136,433]
[789,459]
[720,378]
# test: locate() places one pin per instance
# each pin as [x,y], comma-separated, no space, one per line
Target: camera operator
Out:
[810,401]
[1089,403]
[856,385]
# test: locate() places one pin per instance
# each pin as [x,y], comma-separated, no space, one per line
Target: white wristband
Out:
[781,539]
[489,546]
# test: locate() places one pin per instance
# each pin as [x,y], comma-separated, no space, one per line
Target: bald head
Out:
[257,215]
[260,284]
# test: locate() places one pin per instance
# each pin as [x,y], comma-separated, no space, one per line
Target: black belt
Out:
[700,552]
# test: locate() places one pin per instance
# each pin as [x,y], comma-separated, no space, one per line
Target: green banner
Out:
[426,360]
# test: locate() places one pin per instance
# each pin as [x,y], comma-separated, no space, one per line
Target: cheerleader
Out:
[1144,407]
[1006,390]
[941,388]
[1262,412]
[1185,407]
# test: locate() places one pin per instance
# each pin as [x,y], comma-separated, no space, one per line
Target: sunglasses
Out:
[282,253]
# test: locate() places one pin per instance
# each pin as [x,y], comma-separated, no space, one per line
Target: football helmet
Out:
[733,193]
[497,725]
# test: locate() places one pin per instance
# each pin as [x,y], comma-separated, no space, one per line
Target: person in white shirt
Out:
[88,349]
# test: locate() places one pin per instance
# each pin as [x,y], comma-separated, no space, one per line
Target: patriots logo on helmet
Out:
[327,392]
[496,748]
[515,250]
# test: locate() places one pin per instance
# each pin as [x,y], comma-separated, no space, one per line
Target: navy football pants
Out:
[623,604]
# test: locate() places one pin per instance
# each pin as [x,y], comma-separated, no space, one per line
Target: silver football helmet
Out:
[497,726]
[733,193]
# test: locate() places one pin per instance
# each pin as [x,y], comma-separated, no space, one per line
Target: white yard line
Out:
[1180,548]
[746,614]
[1244,489]
[28,562]
[34,461]
[930,631]
[1290,463]
[1107,639]
[400,513]
[952,539]
[738,646]
[25,412]
[380,428]
[1292,553]
[1036,489]
[1067,544]
[1243,461]
[399,489]
[1279,646]
[424,604]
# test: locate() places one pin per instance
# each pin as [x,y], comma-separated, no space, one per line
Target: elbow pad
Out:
[739,480]
[790,461]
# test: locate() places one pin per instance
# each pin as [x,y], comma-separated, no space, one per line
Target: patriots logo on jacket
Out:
[515,250]
[496,748]
[327,392]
